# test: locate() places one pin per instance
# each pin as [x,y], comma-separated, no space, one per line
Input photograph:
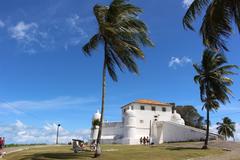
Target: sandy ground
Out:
[231,150]
[233,154]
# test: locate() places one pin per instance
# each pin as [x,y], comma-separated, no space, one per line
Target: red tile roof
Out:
[149,102]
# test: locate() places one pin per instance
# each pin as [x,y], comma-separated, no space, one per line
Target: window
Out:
[131,107]
[142,107]
[141,121]
[164,109]
[124,110]
[153,108]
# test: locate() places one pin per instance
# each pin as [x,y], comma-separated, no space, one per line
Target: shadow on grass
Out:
[182,148]
[67,156]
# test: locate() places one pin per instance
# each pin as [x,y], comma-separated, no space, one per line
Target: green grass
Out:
[19,145]
[114,152]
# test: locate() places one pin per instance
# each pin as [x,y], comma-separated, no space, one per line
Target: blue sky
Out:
[46,79]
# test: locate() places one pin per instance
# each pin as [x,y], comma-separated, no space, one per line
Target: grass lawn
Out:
[114,152]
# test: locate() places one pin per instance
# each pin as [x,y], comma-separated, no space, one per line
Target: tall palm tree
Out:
[122,33]
[226,128]
[213,82]
[217,24]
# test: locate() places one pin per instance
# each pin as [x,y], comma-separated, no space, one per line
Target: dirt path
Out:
[231,149]
[233,152]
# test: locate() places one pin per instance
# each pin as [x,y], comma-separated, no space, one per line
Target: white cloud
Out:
[175,61]
[236,134]
[29,35]
[75,24]
[187,3]
[25,134]
[24,31]
[2,24]
[17,107]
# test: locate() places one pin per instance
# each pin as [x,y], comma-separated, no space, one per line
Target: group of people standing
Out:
[2,142]
[145,140]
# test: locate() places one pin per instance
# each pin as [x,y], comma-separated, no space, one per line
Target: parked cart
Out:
[78,145]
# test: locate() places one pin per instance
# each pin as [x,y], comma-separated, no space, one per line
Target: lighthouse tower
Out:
[129,128]
[95,125]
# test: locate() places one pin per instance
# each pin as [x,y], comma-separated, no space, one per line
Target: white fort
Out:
[147,118]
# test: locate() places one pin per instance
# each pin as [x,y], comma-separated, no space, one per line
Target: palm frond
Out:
[193,11]
[92,44]
[197,68]
[236,12]
[123,34]
[216,25]
[100,14]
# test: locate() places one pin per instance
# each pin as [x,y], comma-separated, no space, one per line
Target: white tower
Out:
[95,125]
[176,118]
[129,128]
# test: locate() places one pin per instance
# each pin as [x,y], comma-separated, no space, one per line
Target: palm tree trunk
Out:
[98,146]
[205,146]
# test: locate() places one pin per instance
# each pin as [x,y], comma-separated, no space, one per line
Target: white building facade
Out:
[147,118]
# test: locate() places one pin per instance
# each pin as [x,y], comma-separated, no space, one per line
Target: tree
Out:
[122,33]
[191,116]
[95,123]
[213,82]
[217,24]
[226,128]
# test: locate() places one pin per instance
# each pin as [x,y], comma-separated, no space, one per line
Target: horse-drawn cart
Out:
[78,145]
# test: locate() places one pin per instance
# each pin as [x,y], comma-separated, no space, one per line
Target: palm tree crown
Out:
[217,21]
[122,33]
[226,128]
[212,78]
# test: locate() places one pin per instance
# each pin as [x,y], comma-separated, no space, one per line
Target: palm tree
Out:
[217,24]
[226,128]
[214,83]
[122,33]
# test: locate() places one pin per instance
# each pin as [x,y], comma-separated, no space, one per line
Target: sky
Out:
[45,78]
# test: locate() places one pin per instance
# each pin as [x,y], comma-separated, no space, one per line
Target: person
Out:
[144,140]
[1,142]
[141,140]
[148,140]
[4,142]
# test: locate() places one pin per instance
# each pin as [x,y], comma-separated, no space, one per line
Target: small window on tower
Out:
[142,107]
[164,109]
[153,108]
[141,121]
